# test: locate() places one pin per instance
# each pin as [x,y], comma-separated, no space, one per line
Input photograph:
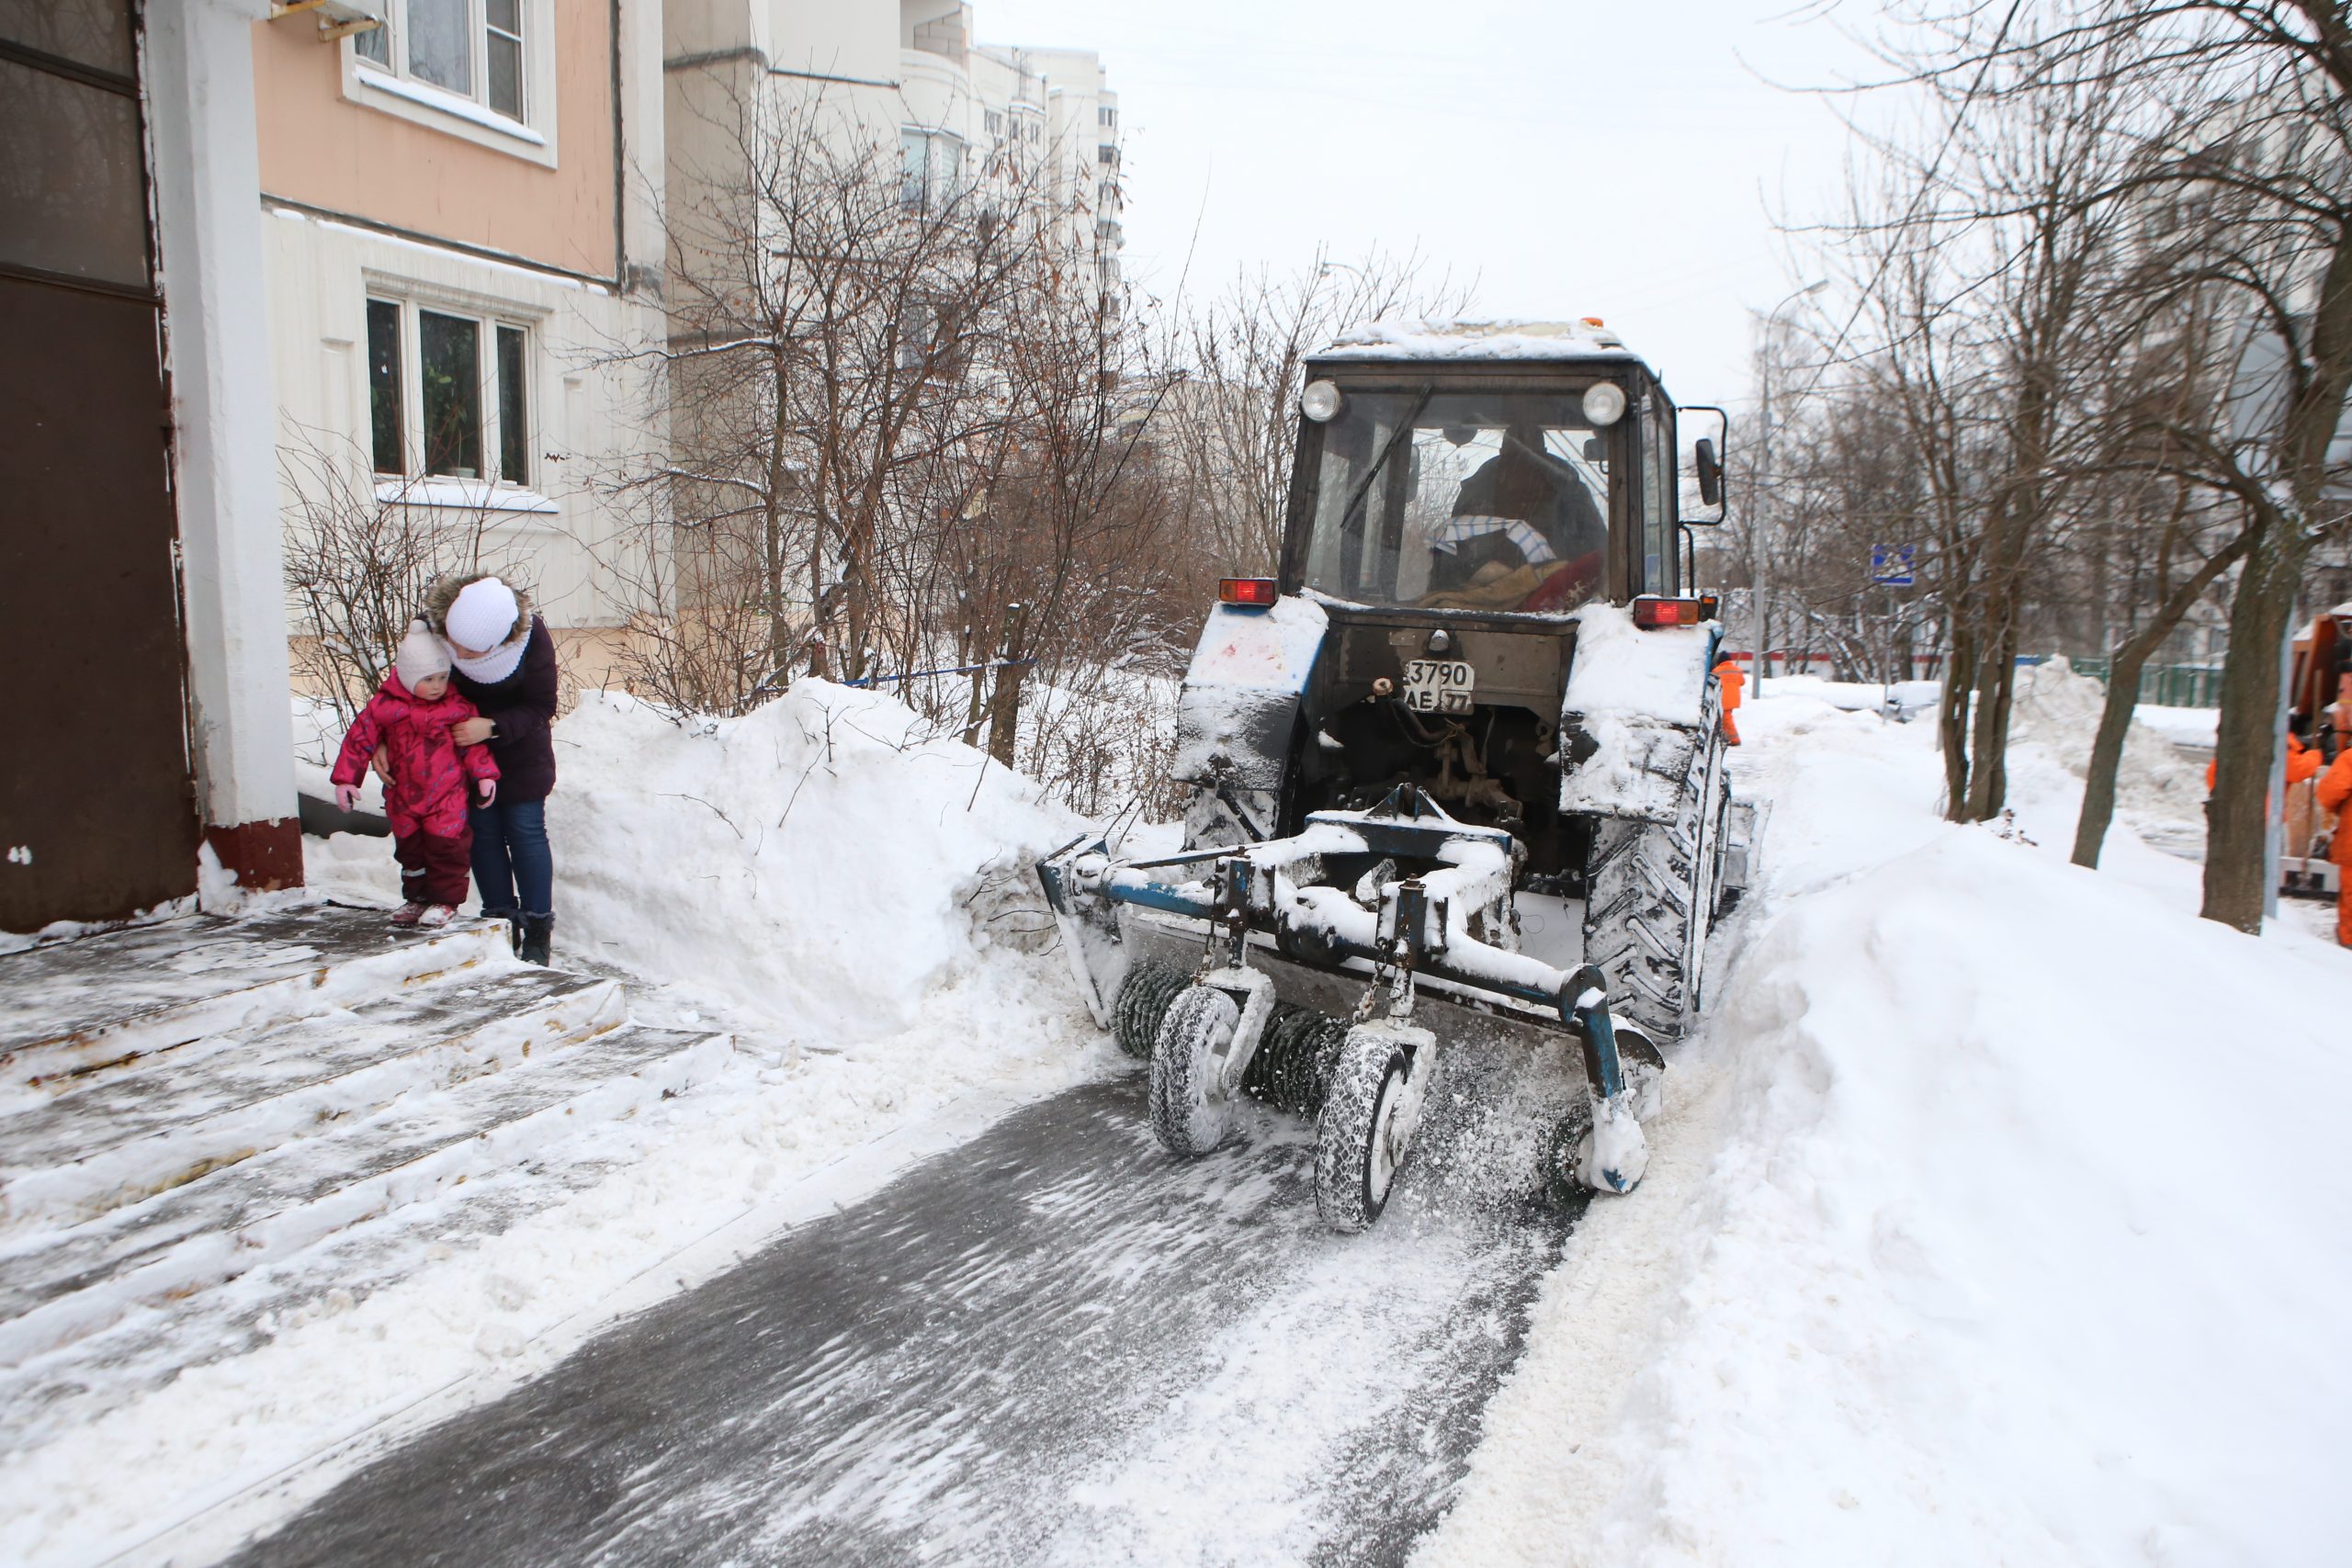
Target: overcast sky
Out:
[1579,157]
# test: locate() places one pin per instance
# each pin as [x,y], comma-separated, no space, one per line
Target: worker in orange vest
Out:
[1728,672]
[2335,795]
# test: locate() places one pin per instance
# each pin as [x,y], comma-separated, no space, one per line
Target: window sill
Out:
[437,108]
[466,495]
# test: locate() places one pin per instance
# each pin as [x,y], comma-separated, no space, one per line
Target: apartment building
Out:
[907,70]
[463,239]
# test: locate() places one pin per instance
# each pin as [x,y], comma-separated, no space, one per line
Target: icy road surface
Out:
[1054,1345]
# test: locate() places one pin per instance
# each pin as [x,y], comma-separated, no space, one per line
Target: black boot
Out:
[537,929]
[513,918]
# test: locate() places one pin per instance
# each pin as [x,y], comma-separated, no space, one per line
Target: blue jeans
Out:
[513,869]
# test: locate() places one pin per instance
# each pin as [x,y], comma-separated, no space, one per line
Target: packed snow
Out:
[854,905]
[1997,1212]
[2000,1214]
[1404,339]
[2058,712]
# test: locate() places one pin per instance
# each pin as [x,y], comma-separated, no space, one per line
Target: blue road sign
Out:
[1891,565]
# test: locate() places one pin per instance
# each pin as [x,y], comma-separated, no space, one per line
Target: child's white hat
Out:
[422,656]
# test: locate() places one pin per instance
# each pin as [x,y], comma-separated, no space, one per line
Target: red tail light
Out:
[1650,614]
[1254,591]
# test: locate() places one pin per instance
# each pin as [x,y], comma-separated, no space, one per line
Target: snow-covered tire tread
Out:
[1190,1111]
[1369,1064]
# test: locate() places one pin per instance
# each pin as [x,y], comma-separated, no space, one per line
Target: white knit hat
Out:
[422,656]
[483,615]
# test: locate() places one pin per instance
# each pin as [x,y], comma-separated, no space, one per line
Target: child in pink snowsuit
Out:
[425,797]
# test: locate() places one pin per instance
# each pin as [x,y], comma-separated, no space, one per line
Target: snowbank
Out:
[2058,711]
[811,861]
[854,907]
[2183,727]
[2018,1234]
[1621,671]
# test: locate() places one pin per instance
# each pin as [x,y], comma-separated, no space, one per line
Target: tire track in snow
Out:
[1053,1344]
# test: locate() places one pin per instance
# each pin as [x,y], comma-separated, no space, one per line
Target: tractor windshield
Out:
[1463,501]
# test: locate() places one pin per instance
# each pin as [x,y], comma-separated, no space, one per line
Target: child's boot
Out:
[408,913]
[439,915]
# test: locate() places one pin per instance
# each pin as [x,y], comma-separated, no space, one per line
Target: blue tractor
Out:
[1456,774]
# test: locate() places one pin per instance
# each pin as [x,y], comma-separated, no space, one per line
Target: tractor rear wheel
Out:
[1189,1109]
[1650,894]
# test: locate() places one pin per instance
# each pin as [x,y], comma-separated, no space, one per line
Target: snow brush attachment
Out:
[1142,1001]
[1292,1070]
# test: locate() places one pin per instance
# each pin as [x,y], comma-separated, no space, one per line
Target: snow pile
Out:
[318,736]
[853,905]
[1406,339]
[2058,711]
[2195,728]
[1638,696]
[1621,672]
[812,860]
[2001,1216]
[1233,715]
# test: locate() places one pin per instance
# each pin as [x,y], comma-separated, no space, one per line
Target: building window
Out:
[503,43]
[473,48]
[448,362]
[931,167]
[514,410]
[1105,116]
[992,122]
[384,385]
[459,406]
[1108,154]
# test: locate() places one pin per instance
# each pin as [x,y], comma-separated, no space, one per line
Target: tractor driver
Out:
[1525,533]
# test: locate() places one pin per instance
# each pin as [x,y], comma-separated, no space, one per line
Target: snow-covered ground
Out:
[1999,1214]
[2003,1215]
[854,907]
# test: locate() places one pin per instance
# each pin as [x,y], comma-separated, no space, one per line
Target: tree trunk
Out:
[1996,686]
[1951,722]
[1004,708]
[2236,829]
[2122,693]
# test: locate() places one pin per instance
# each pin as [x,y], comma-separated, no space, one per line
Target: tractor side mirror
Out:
[1702,434]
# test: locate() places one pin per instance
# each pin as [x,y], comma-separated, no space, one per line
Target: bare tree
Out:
[2243,114]
[1236,415]
[358,559]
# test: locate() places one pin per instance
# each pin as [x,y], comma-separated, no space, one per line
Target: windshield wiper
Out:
[1364,487]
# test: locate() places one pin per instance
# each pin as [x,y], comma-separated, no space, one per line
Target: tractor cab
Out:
[1461,493]
[1521,470]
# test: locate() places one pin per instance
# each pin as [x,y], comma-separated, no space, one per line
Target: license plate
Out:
[1438,685]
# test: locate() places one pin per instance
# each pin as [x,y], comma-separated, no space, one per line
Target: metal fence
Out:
[2166,685]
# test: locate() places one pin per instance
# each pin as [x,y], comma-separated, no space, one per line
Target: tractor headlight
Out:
[1604,402]
[1320,401]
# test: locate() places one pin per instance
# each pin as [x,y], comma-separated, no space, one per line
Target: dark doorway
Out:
[98,803]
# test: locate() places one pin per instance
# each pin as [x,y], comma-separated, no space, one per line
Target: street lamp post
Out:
[1763,481]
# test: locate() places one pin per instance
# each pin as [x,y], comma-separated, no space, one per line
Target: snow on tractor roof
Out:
[1478,340]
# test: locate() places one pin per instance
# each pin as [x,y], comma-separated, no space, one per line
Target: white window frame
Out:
[494,489]
[467,116]
[937,190]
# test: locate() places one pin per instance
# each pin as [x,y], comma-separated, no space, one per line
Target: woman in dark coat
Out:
[503,660]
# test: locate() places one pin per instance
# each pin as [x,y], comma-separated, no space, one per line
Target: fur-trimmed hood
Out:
[444,593]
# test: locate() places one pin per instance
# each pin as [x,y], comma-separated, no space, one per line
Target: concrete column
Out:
[199,80]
